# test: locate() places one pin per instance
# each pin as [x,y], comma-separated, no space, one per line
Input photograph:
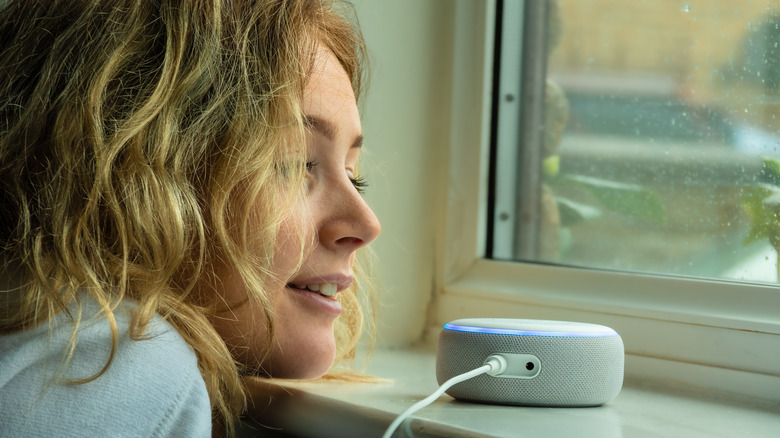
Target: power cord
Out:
[493,365]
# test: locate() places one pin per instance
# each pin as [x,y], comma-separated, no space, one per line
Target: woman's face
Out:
[335,216]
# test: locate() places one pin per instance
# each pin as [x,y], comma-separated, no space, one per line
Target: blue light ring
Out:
[543,333]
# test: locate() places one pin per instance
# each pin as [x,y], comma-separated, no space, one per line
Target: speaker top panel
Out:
[529,327]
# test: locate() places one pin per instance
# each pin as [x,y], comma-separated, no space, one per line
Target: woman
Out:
[181,207]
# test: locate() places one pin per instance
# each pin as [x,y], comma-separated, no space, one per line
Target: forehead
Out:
[328,92]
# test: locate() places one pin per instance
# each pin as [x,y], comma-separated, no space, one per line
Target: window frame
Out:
[699,334]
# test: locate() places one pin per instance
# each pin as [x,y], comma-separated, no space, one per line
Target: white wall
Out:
[406,125]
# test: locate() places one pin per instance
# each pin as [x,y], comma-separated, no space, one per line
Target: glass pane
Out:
[661,148]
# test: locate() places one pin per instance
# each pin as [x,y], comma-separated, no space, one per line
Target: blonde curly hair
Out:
[137,139]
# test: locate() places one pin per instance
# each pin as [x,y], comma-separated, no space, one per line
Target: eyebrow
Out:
[328,129]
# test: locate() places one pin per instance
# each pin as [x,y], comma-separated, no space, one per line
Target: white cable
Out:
[493,365]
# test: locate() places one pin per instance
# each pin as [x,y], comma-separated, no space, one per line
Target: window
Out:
[648,129]
[650,136]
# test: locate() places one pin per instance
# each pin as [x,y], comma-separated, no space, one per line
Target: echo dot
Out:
[545,363]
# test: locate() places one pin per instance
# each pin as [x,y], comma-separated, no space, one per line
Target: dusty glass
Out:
[639,136]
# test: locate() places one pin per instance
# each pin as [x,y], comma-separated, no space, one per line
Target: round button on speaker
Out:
[545,363]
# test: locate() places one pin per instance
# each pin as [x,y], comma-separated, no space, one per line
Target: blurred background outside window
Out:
[658,143]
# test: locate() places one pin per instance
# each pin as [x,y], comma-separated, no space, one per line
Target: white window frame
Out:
[698,334]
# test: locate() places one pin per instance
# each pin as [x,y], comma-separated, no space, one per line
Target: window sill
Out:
[327,409]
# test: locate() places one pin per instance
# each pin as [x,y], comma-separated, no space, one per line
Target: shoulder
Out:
[156,380]
[174,393]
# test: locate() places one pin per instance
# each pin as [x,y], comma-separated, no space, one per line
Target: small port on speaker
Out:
[529,366]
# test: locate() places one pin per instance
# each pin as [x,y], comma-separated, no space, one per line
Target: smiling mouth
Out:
[324,289]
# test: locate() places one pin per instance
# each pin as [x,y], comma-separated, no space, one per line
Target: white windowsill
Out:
[328,409]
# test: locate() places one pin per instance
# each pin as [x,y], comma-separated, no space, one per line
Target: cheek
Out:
[243,326]
[292,243]
[304,346]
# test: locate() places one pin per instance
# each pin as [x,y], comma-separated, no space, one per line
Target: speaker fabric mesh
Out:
[575,371]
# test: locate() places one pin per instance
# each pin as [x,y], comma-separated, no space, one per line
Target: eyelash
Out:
[359,182]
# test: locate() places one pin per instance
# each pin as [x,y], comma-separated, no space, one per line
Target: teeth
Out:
[327,289]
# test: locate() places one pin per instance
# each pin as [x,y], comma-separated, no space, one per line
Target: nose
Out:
[348,223]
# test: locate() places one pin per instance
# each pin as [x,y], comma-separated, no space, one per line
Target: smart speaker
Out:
[545,363]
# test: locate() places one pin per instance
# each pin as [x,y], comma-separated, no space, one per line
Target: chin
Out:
[314,371]
[307,360]
[315,368]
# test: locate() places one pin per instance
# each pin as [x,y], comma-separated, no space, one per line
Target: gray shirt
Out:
[153,387]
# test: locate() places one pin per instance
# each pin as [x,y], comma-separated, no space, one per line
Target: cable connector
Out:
[497,363]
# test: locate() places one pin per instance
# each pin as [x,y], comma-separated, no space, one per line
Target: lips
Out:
[320,295]
[326,286]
